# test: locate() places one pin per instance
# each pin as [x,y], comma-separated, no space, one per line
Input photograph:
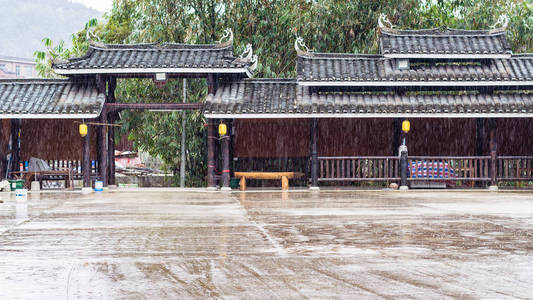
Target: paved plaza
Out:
[266,245]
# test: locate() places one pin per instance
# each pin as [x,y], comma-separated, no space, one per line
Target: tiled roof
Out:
[285,98]
[253,96]
[450,42]
[355,69]
[152,58]
[49,99]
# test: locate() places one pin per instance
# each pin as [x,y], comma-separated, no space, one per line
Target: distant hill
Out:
[23,24]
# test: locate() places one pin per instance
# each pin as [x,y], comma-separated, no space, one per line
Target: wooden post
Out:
[211,154]
[493,149]
[225,162]
[86,168]
[103,153]
[314,154]
[396,133]
[111,134]
[183,136]
[403,170]
[2,154]
[15,145]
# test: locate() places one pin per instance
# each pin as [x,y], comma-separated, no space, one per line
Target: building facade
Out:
[16,67]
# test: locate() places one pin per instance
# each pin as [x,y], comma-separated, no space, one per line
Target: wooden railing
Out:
[75,165]
[514,168]
[353,168]
[384,168]
[474,168]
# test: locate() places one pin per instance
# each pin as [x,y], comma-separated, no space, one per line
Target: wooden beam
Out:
[153,106]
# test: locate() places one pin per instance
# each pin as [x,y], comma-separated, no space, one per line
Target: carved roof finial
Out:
[248,57]
[254,62]
[228,36]
[248,53]
[385,24]
[301,48]
[501,24]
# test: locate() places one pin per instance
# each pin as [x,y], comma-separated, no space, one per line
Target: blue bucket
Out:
[98,186]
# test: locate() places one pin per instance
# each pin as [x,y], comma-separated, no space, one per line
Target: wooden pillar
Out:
[86,168]
[211,137]
[314,153]
[111,150]
[211,153]
[101,136]
[3,164]
[15,145]
[103,154]
[493,149]
[225,162]
[396,133]
[111,117]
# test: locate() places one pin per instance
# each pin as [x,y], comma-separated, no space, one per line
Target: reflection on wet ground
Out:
[261,245]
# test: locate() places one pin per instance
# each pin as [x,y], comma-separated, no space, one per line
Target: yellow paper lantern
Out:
[222,129]
[83,129]
[406,126]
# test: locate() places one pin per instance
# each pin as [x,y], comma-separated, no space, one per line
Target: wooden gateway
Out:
[467,96]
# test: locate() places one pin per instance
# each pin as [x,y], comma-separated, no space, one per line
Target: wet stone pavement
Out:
[267,245]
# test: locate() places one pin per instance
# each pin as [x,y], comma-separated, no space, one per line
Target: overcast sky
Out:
[100,5]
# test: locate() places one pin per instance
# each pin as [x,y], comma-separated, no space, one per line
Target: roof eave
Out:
[447,56]
[363,115]
[414,83]
[152,71]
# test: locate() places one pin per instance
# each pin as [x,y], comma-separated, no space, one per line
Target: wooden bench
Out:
[284,176]
[28,176]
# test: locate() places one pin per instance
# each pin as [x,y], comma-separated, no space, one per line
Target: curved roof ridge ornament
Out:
[254,62]
[385,24]
[500,25]
[248,53]
[91,36]
[97,44]
[228,36]
[301,48]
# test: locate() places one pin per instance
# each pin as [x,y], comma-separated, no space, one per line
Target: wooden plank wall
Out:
[53,140]
[368,137]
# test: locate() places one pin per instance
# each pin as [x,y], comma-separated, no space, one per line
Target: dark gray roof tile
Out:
[205,58]
[450,42]
[285,96]
[49,98]
[321,68]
